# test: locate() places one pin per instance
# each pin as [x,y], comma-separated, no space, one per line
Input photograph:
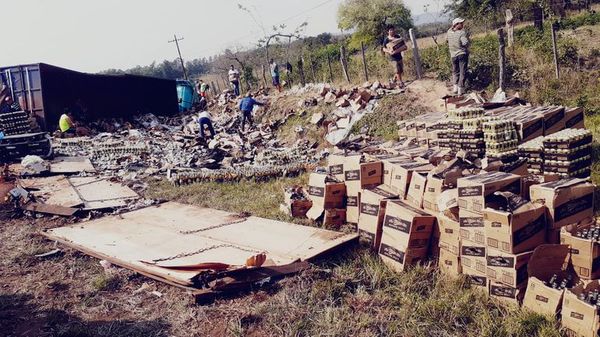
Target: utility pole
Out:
[176,40]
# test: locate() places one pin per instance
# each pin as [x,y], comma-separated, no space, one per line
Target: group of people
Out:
[458,45]
[246,107]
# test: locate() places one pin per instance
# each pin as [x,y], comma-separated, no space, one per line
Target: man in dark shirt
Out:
[393,46]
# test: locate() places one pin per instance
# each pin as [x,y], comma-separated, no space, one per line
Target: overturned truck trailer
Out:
[47,91]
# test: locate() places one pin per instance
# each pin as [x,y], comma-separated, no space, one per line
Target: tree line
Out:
[362,23]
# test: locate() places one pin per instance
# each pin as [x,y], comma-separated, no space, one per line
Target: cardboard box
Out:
[449,263]
[324,195]
[546,261]
[434,187]
[296,208]
[473,257]
[506,293]
[416,189]
[449,238]
[472,227]
[474,190]
[372,212]
[371,174]
[402,174]
[568,201]
[388,167]
[578,317]
[518,231]
[476,278]
[335,217]
[351,167]
[352,203]
[405,236]
[506,268]
[585,254]
[335,165]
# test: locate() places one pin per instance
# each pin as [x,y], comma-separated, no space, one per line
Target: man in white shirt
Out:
[205,119]
[458,44]
[234,79]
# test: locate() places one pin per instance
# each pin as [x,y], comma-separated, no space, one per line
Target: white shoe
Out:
[455,89]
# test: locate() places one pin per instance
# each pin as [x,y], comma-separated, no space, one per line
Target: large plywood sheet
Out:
[174,234]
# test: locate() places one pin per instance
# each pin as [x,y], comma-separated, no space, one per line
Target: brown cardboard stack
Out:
[372,209]
[412,202]
[449,244]
[406,234]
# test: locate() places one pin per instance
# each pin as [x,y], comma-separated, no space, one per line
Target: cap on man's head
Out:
[457,21]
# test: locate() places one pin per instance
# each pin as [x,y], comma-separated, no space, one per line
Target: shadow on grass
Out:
[19,316]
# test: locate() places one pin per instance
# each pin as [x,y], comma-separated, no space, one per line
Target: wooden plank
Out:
[50,209]
[177,234]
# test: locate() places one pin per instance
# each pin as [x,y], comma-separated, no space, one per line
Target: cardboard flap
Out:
[564,183]
[547,260]
[448,199]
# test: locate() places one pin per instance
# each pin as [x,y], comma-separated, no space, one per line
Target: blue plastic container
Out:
[186,94]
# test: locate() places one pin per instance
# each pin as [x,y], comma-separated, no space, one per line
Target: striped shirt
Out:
[458,42]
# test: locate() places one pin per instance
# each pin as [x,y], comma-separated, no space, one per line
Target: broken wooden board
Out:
[50,209]
[177,234]
[71,165]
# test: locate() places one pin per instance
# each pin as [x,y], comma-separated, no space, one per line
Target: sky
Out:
[95,35]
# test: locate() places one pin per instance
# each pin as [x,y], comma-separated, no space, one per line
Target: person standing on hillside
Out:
[234,79]
[246,106]
[458,43]
[203,89]
[275,74]
[393,46]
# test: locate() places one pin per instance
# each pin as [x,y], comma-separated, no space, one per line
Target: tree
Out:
[370,17]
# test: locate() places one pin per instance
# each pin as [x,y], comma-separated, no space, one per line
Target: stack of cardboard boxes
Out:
[519,237]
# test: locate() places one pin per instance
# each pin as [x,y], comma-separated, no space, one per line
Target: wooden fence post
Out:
[344,63]
[416,54]
[330,69]
[312,69]
[555,49]
[538,17]
[364,60]
[502,58]
[510,27]
[301,71]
